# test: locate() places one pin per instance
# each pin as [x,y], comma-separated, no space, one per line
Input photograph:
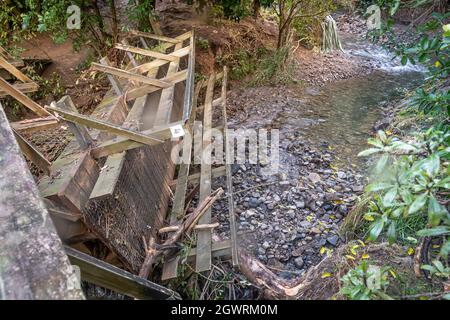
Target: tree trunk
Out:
[115,24]
[256,8]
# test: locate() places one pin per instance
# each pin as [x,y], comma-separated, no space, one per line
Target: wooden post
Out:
[83,137]
[33,154]
[19,96]
[33,263]
[114,82]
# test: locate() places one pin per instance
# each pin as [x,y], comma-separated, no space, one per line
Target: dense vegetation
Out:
[407,198]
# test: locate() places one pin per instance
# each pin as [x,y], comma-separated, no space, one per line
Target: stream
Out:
[290,219]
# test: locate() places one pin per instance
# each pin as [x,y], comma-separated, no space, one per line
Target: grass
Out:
[276,68]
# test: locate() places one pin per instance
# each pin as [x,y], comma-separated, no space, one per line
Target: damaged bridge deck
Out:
[109,191]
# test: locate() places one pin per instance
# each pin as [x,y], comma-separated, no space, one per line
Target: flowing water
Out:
[344,113]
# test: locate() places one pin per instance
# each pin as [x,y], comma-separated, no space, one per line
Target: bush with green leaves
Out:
[412,180]
[366,282]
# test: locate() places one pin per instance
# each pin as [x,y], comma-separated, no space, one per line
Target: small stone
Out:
[315,230]
[343,209]
[333,240]
[266,245]
[314,177]
[300,204]
[299,262]
[291,214]
[253,203]
[305,224]
[341,175]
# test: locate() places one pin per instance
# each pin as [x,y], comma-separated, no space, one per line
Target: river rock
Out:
[299,262]
[333,240]
[314,177]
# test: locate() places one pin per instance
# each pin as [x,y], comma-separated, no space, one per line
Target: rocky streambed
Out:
[290,220]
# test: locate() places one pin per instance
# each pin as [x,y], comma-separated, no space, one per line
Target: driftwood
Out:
[154,251]
[197,227]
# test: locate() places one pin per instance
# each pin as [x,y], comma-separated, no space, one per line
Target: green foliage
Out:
[275,68]
[201,43]
[431,49]
[139,12]
[366,282]
[242,63]
[307,24]
[412,177]
[228,9]
[438,269]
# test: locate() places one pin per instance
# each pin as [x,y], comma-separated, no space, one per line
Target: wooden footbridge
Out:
[112,194]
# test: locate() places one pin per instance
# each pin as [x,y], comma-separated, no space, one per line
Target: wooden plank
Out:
[195,177]
[105,126]
[146,89]
[154,36]
[80,132]
[170,268]
[120,144]
[130,75]
[228,160]
[60,211]
[108,276]
[34,125]
[115,84]
[219,249]
[22,87]
[19,96]
[109,176]
[129,54]
[216,103]
[157,63]
[164,110]
[33,154]
[13,70]
[203,262]
[146,53]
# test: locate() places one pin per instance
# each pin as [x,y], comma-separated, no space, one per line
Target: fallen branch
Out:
[197,227]
[185,228]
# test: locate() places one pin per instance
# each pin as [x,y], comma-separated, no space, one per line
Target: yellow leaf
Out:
[389,133]
[322,250]
[326,275]
[437,64]
[410,251]
[368,217]
[338,201]
[392,272]
[353,249]
[350,257]
[362,243]
[423,298]
[365,256]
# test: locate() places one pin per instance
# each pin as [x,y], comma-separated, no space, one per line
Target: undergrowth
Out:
[407,198]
